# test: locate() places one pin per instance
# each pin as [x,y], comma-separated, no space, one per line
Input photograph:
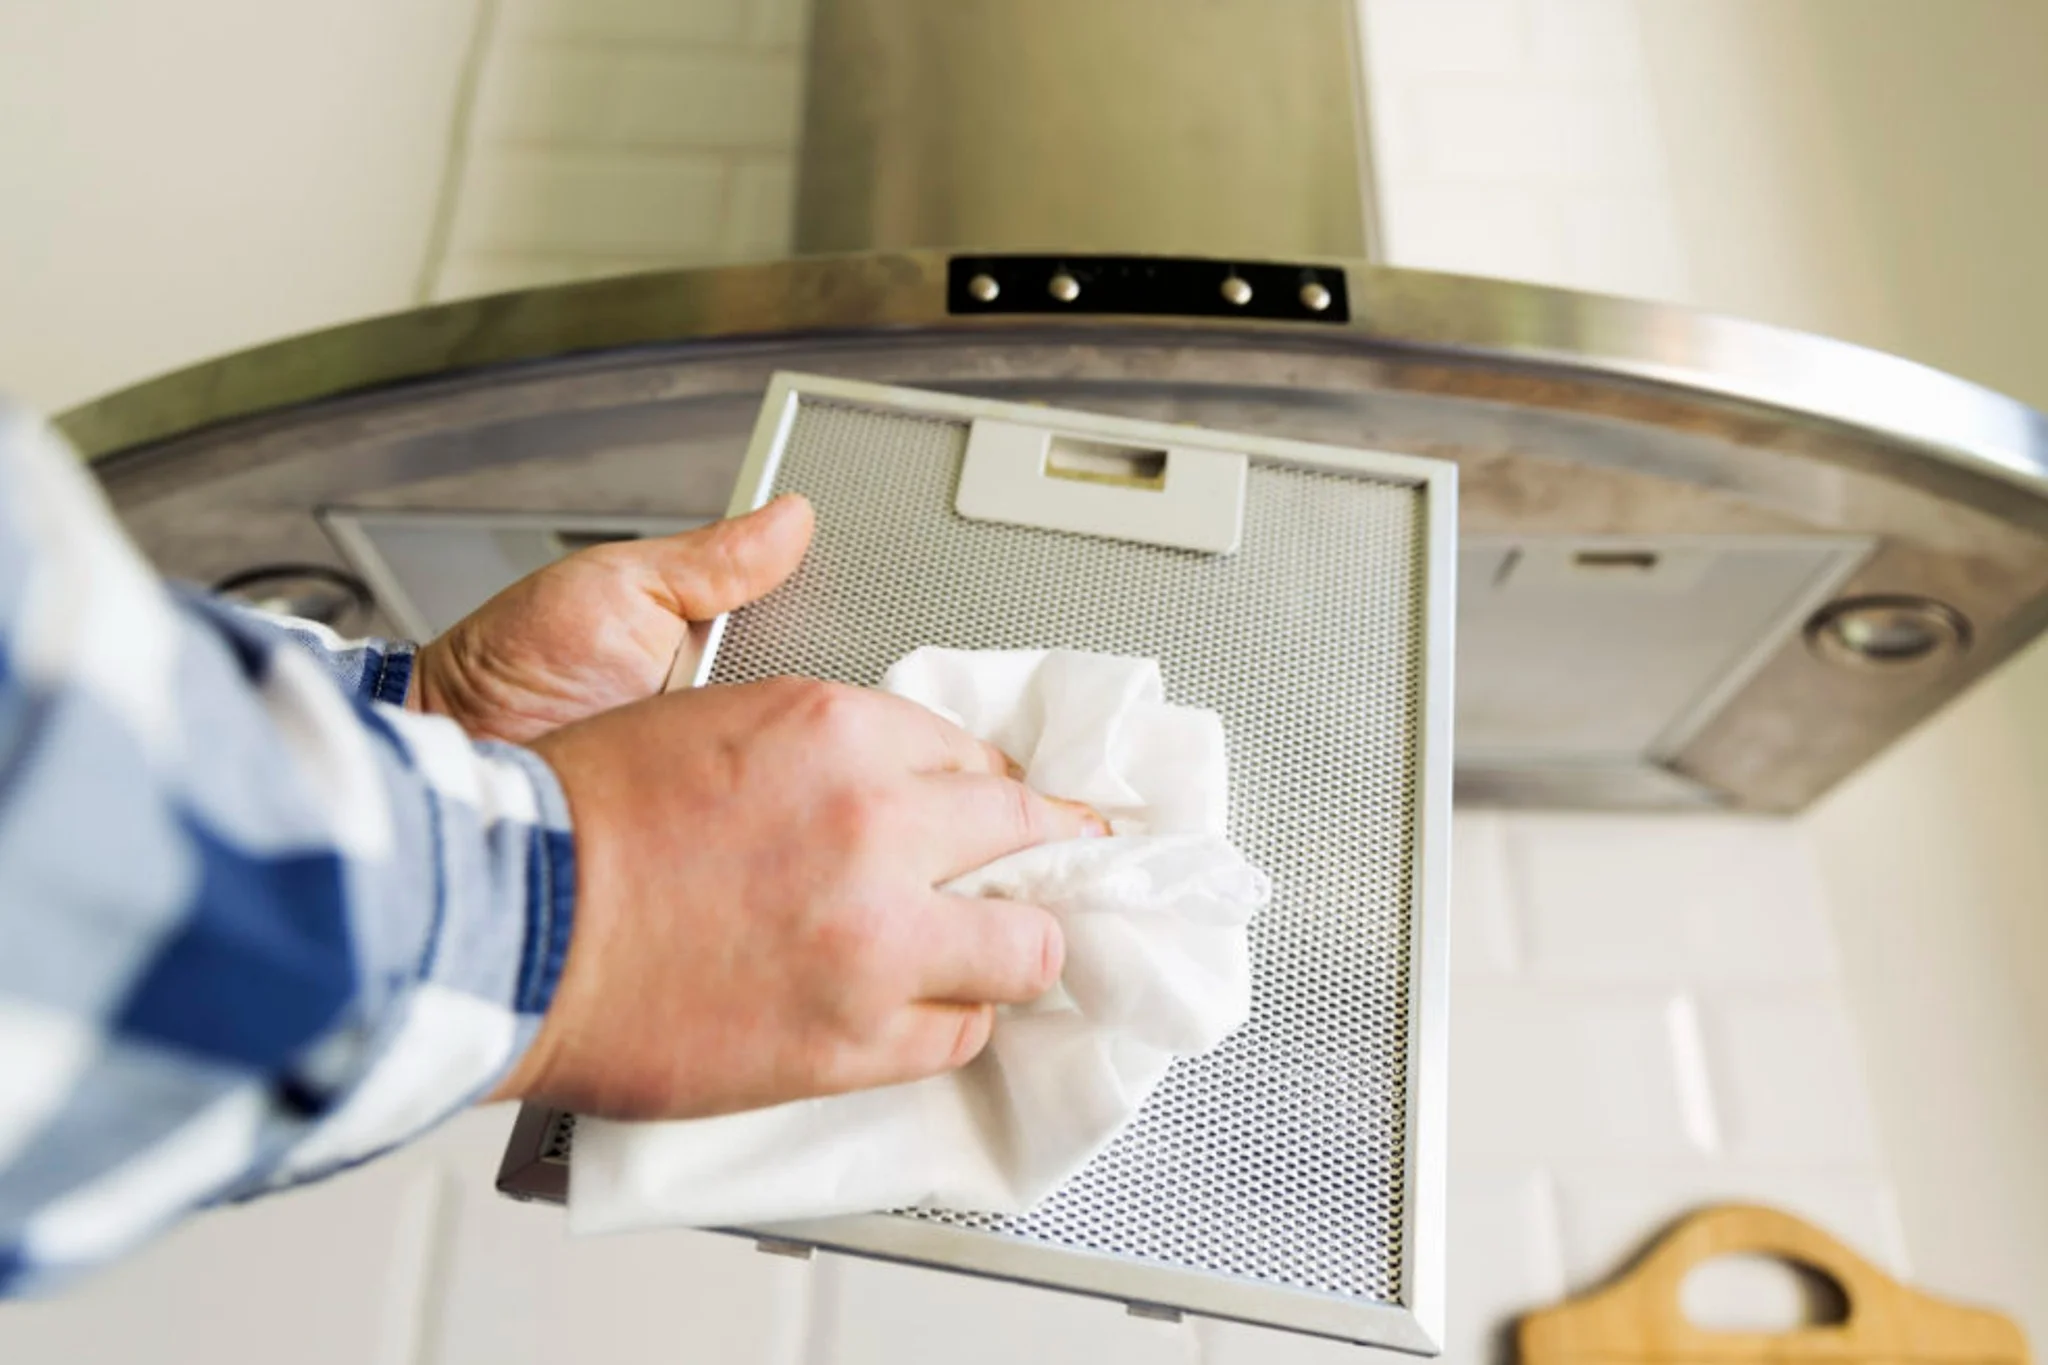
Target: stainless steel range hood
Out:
[1706,562]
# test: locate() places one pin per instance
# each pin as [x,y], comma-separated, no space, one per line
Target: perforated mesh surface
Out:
[1278,1157]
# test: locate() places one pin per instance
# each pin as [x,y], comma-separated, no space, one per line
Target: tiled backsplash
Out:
[1646,1016]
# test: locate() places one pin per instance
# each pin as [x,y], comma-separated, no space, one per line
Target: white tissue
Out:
[1157,966]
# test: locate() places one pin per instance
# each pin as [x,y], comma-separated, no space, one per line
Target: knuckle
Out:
[859,1017]
[798,698]
[781,704]
[832,711]
[786,687]
[841,1015]
[855,960]
[857,819]
[844,938]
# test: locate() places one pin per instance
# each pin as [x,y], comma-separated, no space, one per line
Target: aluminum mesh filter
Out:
[1277,1158]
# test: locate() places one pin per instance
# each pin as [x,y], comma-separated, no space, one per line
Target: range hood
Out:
[1705,562]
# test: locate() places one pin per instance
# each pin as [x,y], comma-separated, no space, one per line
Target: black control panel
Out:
[1159,286]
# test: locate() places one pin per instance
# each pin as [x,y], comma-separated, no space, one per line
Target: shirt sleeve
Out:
[368,670]
[254,927]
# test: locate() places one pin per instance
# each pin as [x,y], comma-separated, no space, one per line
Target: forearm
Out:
[252,928]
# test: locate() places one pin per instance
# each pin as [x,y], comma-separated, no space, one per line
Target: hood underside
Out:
[1704,562]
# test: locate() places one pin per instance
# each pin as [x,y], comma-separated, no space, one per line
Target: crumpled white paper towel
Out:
[1157,966]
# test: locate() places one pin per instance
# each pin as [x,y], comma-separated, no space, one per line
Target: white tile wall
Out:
[626,135]
[1646,1017]
[1481,130]
[1624,241]
[327,1276]
[1650,900]
[1515,232]
[1518,138]
[880,1314]
[1790,1079]
[516,1289]
[1596,39]
[1563,1073]
[1486,939]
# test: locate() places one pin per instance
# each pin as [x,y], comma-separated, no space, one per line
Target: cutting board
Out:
[1637,1319]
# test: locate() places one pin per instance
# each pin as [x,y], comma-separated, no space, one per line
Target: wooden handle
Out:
[1638,1318]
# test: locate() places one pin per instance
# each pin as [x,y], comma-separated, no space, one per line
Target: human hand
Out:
[600,628]
[756,918]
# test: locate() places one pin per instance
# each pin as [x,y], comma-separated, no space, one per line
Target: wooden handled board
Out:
[1637,1320]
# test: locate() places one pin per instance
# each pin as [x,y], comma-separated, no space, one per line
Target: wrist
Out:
[427,693]
[552,913]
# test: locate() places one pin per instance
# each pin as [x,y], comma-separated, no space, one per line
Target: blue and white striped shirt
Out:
[257,922]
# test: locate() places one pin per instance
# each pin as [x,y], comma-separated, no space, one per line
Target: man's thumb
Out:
[728,564]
